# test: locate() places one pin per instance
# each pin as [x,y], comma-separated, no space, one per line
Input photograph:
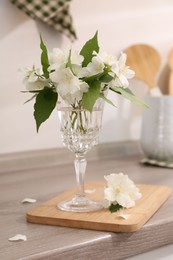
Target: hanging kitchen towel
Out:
[54,13]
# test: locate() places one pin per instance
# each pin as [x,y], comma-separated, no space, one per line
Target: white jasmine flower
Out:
[69,86]
[66,81]
[83,87]
[76,58]
[33,79]
[80,71]
[122,72]
[107,58]
[120,190]
[71,98]
[95,67]
[58,57]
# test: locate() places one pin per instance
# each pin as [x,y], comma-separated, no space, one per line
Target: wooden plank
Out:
[153,196]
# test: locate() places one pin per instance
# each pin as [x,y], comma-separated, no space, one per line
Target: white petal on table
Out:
[122,215]
[29,200]
[18,237]
[90,191]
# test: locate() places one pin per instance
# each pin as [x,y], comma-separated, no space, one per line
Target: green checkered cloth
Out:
[54,13]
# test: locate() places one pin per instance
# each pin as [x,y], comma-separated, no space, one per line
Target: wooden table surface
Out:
[44,174]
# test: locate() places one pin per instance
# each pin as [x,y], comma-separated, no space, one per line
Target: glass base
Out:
[80,204]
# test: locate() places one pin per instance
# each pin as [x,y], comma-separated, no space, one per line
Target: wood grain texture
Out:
[153,197]
[145,61]
[43,181]
[170,83]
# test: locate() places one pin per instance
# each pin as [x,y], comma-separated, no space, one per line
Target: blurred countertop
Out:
[44,174]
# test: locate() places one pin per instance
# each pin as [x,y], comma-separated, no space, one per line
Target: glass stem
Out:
[80,164]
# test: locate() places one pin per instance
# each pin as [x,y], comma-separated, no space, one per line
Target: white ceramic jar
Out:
[157,128]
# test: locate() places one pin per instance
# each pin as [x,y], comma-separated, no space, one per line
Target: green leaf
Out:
[107,100]
[30,91]
[127,93]
[92,78]
[89,98]
[44,58]
[30,99]
[102,77]
[114,208]
[44,105]
[88,48]
[106,78]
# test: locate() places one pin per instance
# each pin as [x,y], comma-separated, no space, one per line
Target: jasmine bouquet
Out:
[77,78]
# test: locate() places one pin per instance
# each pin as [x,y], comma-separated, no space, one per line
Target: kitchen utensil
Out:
[145,61]
[170,83]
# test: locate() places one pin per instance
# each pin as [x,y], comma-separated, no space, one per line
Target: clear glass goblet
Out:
[80,132]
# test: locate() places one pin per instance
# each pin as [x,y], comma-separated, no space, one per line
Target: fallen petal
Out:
[121,215]
[90,191]
[28,200]
[18,237]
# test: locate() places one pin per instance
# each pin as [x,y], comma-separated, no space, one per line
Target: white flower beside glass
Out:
[120,192]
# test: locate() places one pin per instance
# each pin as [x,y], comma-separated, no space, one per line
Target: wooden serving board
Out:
[153,197]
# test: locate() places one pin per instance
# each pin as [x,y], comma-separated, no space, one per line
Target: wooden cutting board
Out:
[153,197]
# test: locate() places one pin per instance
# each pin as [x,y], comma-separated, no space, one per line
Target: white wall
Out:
[120,23]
